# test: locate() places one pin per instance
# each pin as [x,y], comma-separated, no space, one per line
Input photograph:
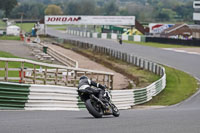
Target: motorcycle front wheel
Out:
[115,111]
[94,108]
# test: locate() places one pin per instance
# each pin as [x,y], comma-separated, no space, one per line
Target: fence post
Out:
[6,71]
[66,82]
[148,67]
[34,74]
[144,64]
[159,71]
[111,82]
[126,57]
[104,79]
[140,63]
[136,60]
[156,69]
[97,79]
[75,76]
[152,67]
[115,54]
[133,60]
[56,76]
[22,72]
[129,58]
[108,81]
[45,76]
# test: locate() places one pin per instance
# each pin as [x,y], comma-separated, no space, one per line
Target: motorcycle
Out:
[120,41]
[97,107]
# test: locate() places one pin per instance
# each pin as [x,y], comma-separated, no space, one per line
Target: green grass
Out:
[12,65]
[6,55]
[57,25]
[2,24]
[10,38]
[158,45]
[26,27]
[61,28]
[180,86]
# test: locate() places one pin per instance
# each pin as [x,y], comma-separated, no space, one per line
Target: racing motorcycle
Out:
[97,107]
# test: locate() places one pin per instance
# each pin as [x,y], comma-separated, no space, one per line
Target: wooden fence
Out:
[32,72]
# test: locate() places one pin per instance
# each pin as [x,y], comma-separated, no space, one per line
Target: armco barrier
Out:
[190,42]
[49,97]
[136,38]
[125,99]
[13,96]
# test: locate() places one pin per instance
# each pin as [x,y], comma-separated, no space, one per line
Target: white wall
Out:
[113,36]
[104,35]
[196,16]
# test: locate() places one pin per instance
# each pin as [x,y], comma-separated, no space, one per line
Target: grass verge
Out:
[61,28]
[12,65]
[2,24]
[140,77]
[26,27]
[57,26]
[158,45]
[17,38]
[180,86]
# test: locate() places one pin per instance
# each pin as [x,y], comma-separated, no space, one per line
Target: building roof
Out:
[175,27]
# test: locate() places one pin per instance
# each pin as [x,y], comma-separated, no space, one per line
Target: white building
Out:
[13,30]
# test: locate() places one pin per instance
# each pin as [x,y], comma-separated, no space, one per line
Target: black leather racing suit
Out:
[85,84]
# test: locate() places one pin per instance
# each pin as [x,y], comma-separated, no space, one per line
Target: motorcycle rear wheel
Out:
[93,108]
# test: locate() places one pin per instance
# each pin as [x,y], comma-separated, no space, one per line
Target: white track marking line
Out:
[181,51]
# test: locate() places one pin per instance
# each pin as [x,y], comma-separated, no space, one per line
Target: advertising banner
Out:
[156,28]
[90,20]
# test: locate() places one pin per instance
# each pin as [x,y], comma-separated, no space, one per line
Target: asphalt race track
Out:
[180,118]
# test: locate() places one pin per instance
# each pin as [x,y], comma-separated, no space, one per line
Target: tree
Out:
[30,10]
[87,7]
[7,6]
[1,14]
[111,8]
[81,7]
[166,14]
[184,11]
[53,10]
[142,12]
[72,8]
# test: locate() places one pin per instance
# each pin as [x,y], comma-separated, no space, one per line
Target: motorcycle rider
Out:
[120,40]
[86,84]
